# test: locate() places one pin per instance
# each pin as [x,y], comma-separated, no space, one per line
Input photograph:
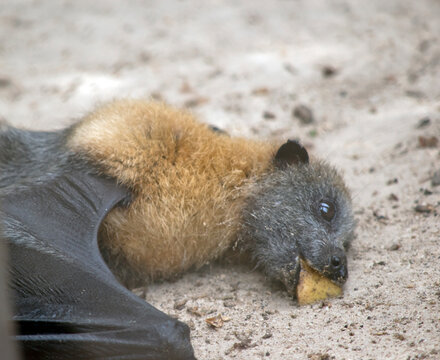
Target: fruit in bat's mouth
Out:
[313,286]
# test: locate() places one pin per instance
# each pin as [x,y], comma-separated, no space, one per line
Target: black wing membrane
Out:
[68,304]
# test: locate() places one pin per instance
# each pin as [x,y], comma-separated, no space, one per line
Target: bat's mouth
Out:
[337,276]
[291,276]
[313,286]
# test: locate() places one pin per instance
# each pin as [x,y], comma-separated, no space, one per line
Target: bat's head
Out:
[302,210]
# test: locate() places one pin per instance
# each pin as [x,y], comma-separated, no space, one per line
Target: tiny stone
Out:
[268,115]
[424,208]
[304,114]
[428,141]
[399,336]
[435,181]
[393,197]
[379,216]
[194,102]
[157,96]
[328,71]
[414,94]
[395,247]
[427,191]
[392,181]
[260,91]
[191,324]
[267,335]
[229,303]
[423,122]
[180,304]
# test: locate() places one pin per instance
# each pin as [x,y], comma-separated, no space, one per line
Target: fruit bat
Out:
[138,191]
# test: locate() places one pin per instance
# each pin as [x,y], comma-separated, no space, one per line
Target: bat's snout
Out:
[336,269]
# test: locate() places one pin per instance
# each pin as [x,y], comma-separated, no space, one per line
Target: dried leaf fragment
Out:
[217,321]
[194,310]
[428,141]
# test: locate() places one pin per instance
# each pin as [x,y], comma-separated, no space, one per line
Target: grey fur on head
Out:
[285,220]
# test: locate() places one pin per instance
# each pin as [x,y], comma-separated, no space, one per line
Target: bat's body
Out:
[189,184]
[181,195]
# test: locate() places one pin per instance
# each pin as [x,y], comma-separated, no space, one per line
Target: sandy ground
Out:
[369,71]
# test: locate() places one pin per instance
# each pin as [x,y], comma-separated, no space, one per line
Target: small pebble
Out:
[229,303]
[304,114]
[393,197]
[328,71]
[395,247]
[191,324]
[392,181]
[267,335]
[268,115]
[180,304]
[197,101]
[428,192]
[423,122]
[399,336]
[380,217]
[428,141]
[435,181]
[262,91]
[415,94]
[424,208]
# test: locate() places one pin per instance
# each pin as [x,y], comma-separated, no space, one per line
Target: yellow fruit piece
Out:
[313,287]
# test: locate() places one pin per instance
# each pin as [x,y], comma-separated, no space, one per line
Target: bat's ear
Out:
[290,153]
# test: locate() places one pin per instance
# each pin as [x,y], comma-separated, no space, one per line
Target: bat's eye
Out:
[327,210]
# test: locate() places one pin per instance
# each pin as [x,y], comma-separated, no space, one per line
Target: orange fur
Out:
[189,183]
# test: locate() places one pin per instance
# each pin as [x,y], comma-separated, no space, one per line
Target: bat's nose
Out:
[338,267]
